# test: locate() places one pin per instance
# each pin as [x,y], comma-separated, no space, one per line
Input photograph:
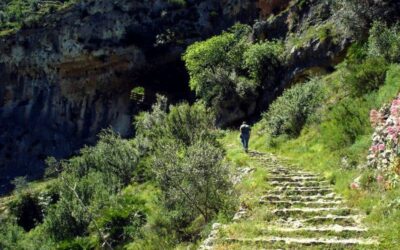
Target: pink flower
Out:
[396,102]
[380,179]
[393,111]
[374,148]
[354,185]
[391,130]
[381,147]
[374,117]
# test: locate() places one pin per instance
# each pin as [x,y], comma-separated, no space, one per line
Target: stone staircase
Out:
[300,211]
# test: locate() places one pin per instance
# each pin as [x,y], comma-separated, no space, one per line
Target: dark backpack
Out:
[245,130]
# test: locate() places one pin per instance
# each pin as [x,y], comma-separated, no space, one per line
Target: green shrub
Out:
[367,76]
[262,59]
[123,220]
[183,123]
[187,162]
[20,183]
[226,71]
[112,156]
[15,14]
[77,243]
[147,126]
[356,53]
[194,181]
[11,235]
[88,185]
[80,200]
[391,87]
[289,112]
[204,59]
[347,120]
[384,41]
[138,94]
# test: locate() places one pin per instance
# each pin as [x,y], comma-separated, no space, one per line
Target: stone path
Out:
[299,211]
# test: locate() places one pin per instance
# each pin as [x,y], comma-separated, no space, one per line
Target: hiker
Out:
[245,135]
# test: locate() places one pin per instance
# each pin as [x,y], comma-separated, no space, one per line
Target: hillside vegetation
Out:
[165,187]
[16,13]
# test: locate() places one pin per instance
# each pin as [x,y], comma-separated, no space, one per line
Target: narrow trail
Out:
[300,210]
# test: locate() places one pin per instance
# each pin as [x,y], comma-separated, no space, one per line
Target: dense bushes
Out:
[261,59]
[93,201]
[289,112]
[384,42]
[183,124]
[11,234]
[15,13]
[223,53]
[226,71]
[187,162]
[88,184]
[345,123]
[365,76]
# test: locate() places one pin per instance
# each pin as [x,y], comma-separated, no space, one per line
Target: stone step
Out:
[300,242]
[287,203]
[343,220]
[315,231]
[299,184]
[308,191]
[302,212]
[294,179]
[291,175]
[287,170]
[301,188]
[277,197]
[286,188]
[307,211]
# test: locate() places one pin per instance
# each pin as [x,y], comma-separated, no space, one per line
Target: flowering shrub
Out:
[384,154]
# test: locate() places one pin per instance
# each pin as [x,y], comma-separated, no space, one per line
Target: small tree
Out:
[20,183]
[384,42]
[262,59]
[187,160]
[193,180]
[87,185]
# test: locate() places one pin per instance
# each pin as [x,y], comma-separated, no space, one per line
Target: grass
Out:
[252,186]
[321,32]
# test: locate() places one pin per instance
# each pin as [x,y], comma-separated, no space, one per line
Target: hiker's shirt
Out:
[245,130]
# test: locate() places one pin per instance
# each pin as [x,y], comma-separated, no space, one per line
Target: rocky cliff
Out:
[68,76]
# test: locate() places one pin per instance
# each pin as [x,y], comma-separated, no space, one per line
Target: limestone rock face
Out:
[68,76]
